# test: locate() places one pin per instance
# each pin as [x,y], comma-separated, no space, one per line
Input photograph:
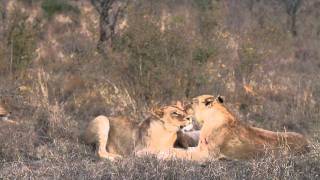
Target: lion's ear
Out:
[220,99]
[159,112]
[179,104]
[188,109]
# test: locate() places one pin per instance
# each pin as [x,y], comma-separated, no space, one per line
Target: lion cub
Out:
[118,136]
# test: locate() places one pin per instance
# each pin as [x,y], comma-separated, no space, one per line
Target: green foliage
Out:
[29,2]
[203,4]
[52,7]
[292,6]
[249,58]
[178,20]
[21,42]
[208,17]
[207,22]
[201,55]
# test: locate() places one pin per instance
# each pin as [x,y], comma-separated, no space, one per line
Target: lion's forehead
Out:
[203,97]
[174,108]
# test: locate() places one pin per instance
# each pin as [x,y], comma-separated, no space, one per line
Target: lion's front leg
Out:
[145,152]
[192,154]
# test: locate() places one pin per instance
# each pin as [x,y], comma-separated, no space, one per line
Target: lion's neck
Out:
[215,119]
[160,137]
[220,115]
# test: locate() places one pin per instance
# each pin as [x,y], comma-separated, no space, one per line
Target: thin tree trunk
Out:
[109,13]
[11,57]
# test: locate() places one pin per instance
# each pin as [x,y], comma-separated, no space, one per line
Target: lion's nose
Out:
[189,118]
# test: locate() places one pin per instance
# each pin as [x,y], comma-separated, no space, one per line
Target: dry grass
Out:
[46,145]
[76,167]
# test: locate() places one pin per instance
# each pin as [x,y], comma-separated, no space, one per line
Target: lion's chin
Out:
[200,122]
[187,128]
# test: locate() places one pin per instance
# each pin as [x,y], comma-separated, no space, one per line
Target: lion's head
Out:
[204,107]
[174,116]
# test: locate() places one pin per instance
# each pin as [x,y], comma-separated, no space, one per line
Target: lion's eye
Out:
[175,114]
[207,103]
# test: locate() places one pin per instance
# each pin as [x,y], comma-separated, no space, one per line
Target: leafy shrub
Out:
[201,55]
[249,59]
[203,4]
[21,41]
[52,7]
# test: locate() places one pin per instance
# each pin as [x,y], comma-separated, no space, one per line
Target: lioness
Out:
[117,136]
[222,135]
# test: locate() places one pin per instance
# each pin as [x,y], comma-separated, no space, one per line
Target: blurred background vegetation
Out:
[64,62]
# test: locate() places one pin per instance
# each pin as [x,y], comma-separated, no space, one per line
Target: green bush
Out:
[201,55]
[203,4]
[21,42]
[249,59]
[52,7]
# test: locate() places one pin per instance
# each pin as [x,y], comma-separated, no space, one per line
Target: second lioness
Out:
[224,136]
[118,136]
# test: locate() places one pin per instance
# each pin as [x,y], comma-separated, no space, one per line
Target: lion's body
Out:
[236,140]
[223,134]
[116,136]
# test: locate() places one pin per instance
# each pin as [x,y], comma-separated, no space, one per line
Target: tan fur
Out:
[3,111]
[4,115]
[222,135]
[119,136]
